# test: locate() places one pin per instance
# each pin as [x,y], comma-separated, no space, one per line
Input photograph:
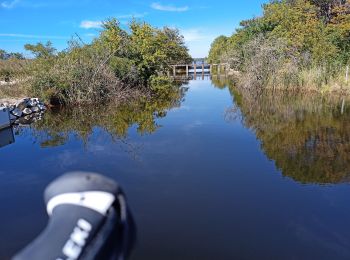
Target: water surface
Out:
[210,173]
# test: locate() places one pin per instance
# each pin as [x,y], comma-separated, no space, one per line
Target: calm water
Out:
[210,173]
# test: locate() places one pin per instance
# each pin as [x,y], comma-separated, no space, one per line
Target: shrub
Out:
[113,65]
[299,43]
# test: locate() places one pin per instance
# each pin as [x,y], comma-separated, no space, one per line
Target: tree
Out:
[2,54]
[115,38]
[115,63]
[156,49]
[175,47]
[218,47]
[315,35]
[40,50]
[16,55]
[327,9]
[12,55]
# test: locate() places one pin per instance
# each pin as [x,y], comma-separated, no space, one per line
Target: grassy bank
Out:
[117,65]
[299,44]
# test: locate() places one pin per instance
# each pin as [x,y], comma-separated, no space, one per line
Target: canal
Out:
[212,172]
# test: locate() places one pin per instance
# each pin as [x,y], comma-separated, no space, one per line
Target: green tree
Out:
[115,64]
[16,55]
[315,37]
[2,54]
[218,47]
[40,50]
[155,49]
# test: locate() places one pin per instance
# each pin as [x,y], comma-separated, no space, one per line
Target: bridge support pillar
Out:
[174,70]
[187,71]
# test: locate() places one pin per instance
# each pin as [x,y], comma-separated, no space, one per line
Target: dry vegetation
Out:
[117,65]
[303,44]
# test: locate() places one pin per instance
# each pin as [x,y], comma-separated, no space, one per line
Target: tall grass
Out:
[13,68]
[14,78]
[270,64]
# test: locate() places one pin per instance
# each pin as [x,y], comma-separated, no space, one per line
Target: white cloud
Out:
[90,24]
[192,35]
[169,8]
[9,4]
[32,36]
[198,40]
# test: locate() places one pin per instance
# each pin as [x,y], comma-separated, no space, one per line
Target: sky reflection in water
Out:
[210,173]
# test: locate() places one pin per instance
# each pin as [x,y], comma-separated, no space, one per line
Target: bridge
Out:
[187,69]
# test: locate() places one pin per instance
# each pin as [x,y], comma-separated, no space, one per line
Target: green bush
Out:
[115,64]
[291,39]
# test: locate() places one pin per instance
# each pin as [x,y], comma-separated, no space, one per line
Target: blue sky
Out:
[200,21]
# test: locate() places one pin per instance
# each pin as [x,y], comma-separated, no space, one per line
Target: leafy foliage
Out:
[12,55]
[41,50]
[309,34]
[218,48]
[116,63]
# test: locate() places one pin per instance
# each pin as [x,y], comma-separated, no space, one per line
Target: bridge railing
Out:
[214,69]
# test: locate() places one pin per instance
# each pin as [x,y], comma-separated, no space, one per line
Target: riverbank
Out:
[277,50]
[23,111]
[240,80]
[10,100]
[118,64]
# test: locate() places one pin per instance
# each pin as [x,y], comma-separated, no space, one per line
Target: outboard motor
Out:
[89,219]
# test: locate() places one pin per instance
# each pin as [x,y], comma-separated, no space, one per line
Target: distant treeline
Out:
[117,63]
[295,43]
[10,55]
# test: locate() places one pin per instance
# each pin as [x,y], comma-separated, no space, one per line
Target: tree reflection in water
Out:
[59,125]
[307,135]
